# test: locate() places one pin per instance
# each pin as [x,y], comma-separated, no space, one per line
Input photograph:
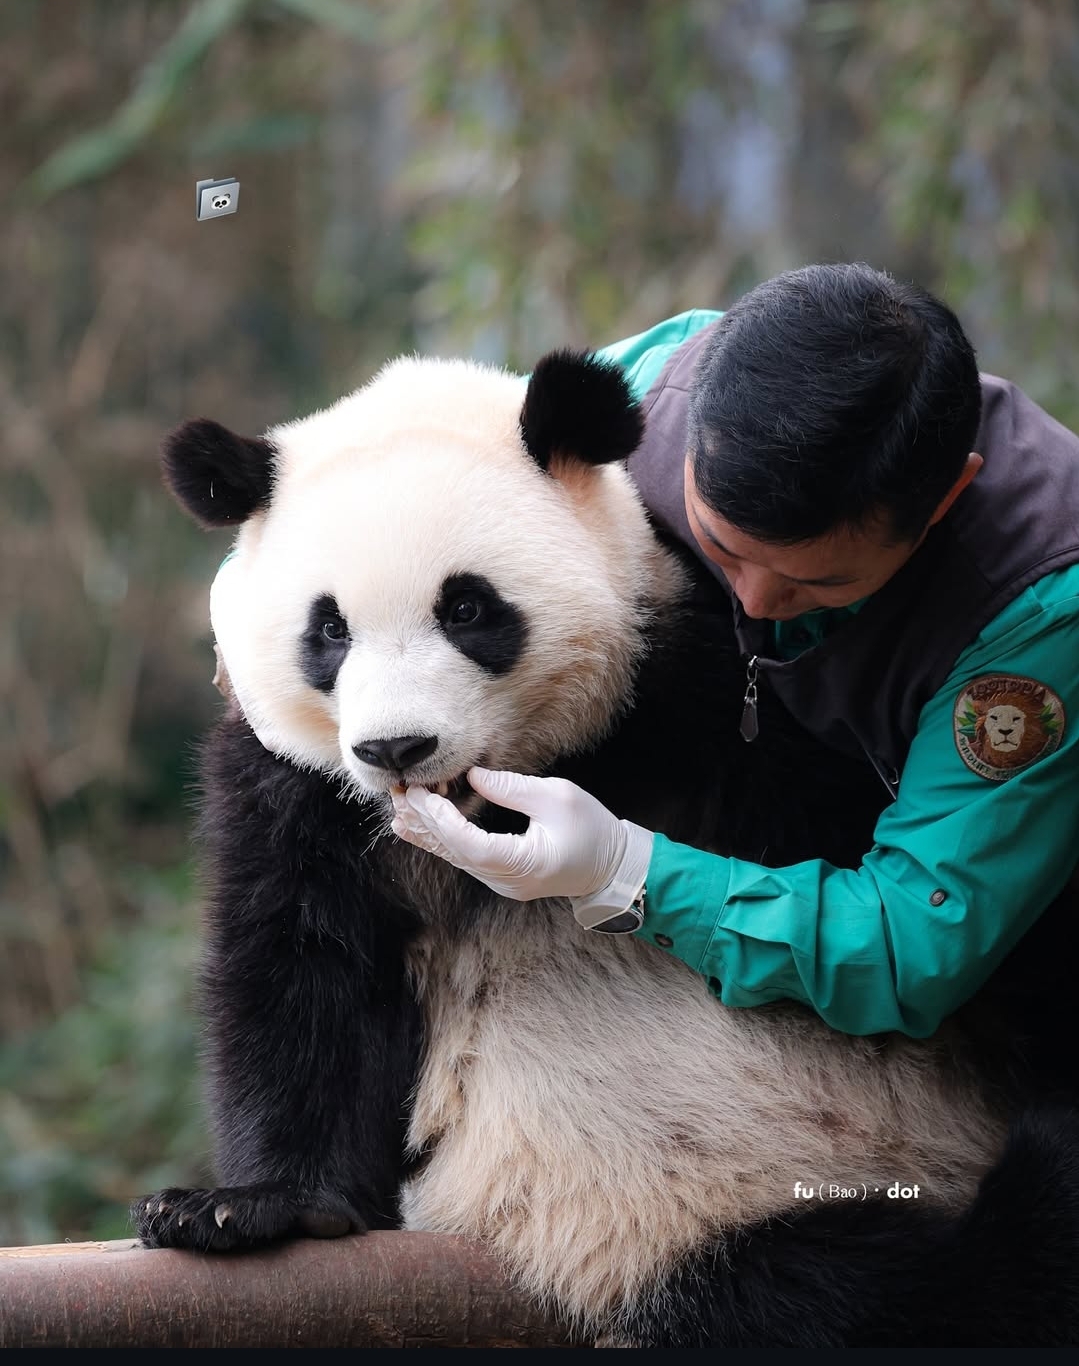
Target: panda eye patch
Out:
[324,643]
[479,622]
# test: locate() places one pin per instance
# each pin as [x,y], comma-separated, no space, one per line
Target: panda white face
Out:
[420,596]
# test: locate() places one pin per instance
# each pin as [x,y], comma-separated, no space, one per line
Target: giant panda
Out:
[451,567]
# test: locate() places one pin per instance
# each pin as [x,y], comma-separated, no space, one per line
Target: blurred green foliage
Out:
[453,176]
[102,1101]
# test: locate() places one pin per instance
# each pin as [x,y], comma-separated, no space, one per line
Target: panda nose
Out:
[399,753]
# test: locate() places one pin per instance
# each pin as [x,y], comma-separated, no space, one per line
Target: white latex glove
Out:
[574,846]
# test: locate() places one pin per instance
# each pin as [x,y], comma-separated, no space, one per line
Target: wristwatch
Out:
[627,921]
[618,908]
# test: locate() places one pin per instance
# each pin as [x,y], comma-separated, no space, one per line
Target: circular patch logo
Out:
[1004,723]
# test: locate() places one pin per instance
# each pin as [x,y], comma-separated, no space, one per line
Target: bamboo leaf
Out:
[353,20]
[96,153]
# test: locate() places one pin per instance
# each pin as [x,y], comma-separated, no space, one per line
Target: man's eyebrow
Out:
[829,580]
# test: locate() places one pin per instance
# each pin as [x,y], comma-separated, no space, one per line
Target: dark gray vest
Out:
[862,689]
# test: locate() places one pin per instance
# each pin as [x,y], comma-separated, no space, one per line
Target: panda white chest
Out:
[588,1108]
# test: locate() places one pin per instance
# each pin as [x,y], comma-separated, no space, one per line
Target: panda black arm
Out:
[312,1031]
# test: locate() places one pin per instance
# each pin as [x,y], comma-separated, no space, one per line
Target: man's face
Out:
[781,582]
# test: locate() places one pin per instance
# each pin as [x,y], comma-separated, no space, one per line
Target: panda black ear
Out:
[580,407]
[219,477]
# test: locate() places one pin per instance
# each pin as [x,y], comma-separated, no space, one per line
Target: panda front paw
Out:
[236,1217]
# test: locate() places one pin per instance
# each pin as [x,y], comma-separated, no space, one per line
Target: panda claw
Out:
[222,1215]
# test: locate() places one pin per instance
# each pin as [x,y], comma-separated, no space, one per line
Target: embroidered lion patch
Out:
[1004,723]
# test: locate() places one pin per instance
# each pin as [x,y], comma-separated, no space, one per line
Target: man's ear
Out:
[970,469]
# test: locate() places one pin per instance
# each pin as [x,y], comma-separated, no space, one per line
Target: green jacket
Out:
[961,865]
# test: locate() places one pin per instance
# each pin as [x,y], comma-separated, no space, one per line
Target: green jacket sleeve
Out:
[961,866]
[643,356]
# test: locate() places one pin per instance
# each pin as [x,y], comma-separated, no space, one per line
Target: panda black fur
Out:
[447,554]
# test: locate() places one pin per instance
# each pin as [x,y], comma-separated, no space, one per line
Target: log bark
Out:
[380,1290]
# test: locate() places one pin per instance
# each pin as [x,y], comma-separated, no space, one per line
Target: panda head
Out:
[448,567]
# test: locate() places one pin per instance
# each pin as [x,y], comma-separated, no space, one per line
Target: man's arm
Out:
[962,864]
[643,356]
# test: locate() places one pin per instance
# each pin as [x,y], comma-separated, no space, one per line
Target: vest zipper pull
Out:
[749,728]
[883,770]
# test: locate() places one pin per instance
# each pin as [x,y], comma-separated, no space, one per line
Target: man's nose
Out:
[763,595]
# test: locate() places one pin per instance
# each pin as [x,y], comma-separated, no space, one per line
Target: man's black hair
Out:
[833,397]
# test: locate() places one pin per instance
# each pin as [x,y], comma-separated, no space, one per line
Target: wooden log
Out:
[379,1290]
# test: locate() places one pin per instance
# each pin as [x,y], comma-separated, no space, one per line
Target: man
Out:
[901,542]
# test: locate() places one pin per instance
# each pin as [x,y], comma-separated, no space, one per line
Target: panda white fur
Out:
[448,568]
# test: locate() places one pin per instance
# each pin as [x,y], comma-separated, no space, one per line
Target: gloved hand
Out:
[573,847]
